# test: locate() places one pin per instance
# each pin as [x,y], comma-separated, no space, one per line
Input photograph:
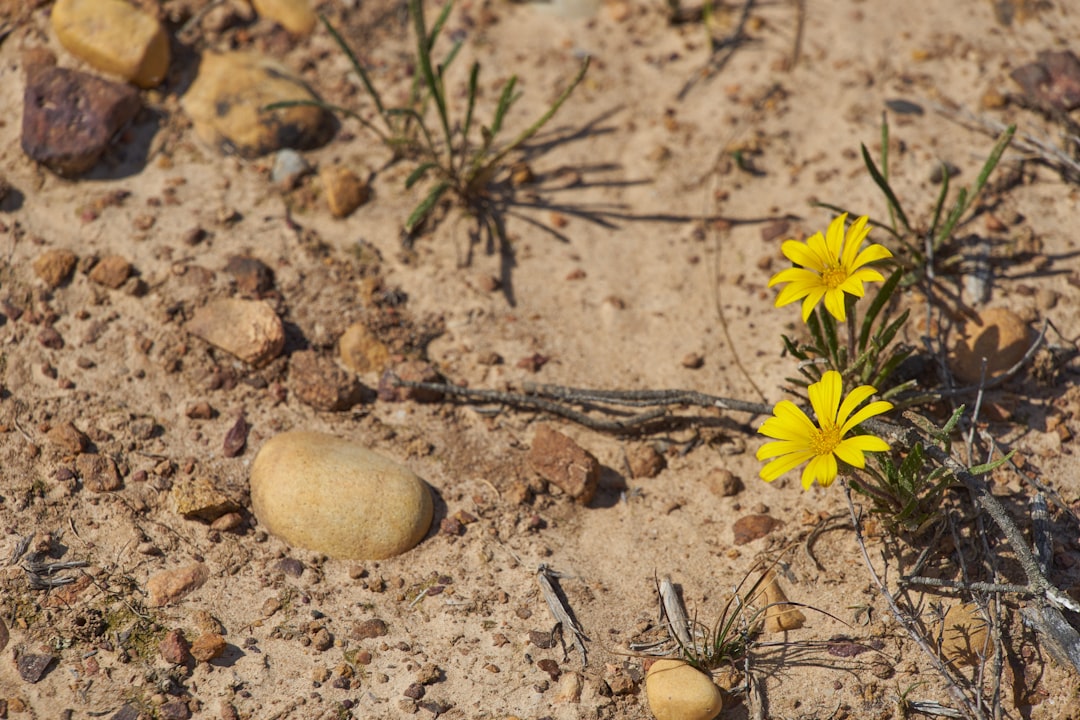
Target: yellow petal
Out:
[852,286]
[825,396]
[802,254]
[855,236]
[781,447]
[874,408]
[794,275]
[834,303]
[850,453]
[866,443]
[834,237]
[819,246]
[812,299]
[872,253]
[854,399]
[781,465]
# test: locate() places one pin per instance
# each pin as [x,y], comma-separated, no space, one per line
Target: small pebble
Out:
[558,459]
[751,527]
[723,482]
[207,647]
[169,586]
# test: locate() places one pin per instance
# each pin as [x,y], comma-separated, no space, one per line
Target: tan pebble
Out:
[997,334]
[345,191]
[677,691]
[964,638]
[723,482]
[169,586]
[207,647]
[779,615]
[646,462]
[111,271]
[248,329]
[225,104]
[54,267]
[326,494]
[296,16]
[198,498]
[228,521]
[568,689]
[361,351]
[114,36]
[68,438]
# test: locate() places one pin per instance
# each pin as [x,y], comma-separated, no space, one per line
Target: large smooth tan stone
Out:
[677,691]
[997,334]
[226,103]
[115,37]
[322,493]
[296,16]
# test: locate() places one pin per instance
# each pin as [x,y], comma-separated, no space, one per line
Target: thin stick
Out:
[563,619]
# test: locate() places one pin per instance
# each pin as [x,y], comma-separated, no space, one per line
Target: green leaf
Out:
[882,183]
[357,67]
[942,194]
[426,205]
[474,76]
[992,465]
[992,161]
[882,297]
[416,175]
[948,427]
[423,45]
[506,99]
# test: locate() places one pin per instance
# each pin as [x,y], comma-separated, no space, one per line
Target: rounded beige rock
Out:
[998,335]
[332,496]
[677,691]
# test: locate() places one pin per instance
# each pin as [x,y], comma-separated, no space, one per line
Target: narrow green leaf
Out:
[416,175]
[434,84]
[948,427]
[357,67]
[991,466]
[992,161]
[506,99]
[883,296]
[474,76]
[883,184]
[438,26]
[426,205]
[942,194]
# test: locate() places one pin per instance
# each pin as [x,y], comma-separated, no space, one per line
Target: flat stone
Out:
[98,472]
[296,16]
[562,462]
[344,190]
[199,499]
[55,267]
[226,99]
[112,271]
[752,527]
[69,117]
[368,629]
[332,496]
[115,37]
[997,334]
[319,382]
[169,586]
[723,482]
[361,351]
[677,691]
[208,646]
[963,640]
[32,666]
[253,276]
[248,329]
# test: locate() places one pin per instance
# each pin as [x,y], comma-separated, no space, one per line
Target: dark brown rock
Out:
[69,117]
[320,383]
[174,710]
[55,267]
[49,337]
[200,410]
[252,276]
[175,648]
[98,472]
[562,462]
[111,271]
[1052,82]
[32,667]
[751,527]
[368,629]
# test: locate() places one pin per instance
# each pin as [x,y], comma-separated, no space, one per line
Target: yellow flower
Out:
[799,440]
[828,267]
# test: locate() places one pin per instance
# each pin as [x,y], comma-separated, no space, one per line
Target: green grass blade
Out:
[434,83]
[425,206]
[535,127]
[418,174]
[357,67]
[940,200]
[410,113]
[992,465]
[506,99]
[438,26]
[992,161]
[474,76]
[883,184]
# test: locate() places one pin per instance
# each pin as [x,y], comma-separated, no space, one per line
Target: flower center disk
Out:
[825,440]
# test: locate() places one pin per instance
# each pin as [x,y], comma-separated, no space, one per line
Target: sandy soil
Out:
[640,228]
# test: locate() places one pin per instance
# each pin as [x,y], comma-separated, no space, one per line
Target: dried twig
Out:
[547,578]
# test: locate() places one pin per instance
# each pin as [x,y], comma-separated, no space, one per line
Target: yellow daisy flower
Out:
[828,267]
[799,440]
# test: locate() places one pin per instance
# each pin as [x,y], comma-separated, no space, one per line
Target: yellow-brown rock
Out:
[361,351]
[335,497]
[344,189]
[227,98]
[963,639]
[115,37]
[677,691]
[997,334]
[296,16]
